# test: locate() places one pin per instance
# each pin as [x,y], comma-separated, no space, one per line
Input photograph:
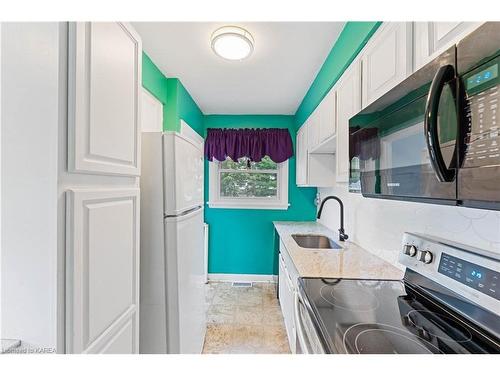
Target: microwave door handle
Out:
[444,74]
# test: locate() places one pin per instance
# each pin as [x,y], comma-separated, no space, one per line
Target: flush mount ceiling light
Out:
[232,43]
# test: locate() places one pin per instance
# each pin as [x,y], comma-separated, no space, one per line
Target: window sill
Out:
[249,206]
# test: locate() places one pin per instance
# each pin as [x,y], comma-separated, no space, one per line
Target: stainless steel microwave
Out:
[435,137]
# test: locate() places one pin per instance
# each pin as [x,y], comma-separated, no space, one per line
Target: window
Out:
[246,184]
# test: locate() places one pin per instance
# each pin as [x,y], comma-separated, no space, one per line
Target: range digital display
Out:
[477,277]
[483,76]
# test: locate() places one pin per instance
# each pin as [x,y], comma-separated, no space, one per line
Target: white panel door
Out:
[102,271]
[184,176]
[327,125]
[433,38]
[151,113]
[386,60]
[104,96]
[349,103]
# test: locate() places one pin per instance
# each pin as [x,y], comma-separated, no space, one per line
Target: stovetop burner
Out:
[372,338]
[342,298]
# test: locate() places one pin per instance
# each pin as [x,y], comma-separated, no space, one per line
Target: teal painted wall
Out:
[242,240]
[177,102]
[350,42]
[180,105]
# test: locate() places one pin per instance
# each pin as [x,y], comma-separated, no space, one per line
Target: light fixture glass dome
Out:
[232,43]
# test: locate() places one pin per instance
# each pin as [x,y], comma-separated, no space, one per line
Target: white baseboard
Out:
[234,277]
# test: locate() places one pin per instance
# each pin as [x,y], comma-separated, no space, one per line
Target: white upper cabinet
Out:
[312,169]
[301,156]
[349,103]
[313,123]
[432,38]
[327,124]
[386,60]
[104,96]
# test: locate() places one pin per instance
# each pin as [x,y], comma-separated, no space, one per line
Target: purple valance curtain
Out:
[251,143]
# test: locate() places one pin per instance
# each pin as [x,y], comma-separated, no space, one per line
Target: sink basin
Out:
[315,241]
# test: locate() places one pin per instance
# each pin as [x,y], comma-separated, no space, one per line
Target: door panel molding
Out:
[102,268]
[103,101]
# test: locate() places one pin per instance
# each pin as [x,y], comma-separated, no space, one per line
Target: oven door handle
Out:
[301,337]
[444,74]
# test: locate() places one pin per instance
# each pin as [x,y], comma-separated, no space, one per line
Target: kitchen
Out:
[304,188]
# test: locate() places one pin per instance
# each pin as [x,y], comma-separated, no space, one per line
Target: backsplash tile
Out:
[378,225]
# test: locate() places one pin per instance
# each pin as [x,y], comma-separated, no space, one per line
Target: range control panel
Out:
[470,274]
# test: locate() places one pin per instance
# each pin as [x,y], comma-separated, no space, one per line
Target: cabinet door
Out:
[387,60]
[327,123]
[102,271]
[349,103]
[313,129]
[104,96]
[433,38]
[301,159]
[286,296]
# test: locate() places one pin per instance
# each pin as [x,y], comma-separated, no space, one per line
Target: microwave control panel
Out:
[483,132]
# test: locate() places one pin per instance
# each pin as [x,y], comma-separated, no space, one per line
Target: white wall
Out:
[378,225]
[29,150]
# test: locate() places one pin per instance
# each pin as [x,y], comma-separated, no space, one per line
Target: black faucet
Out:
[342,235]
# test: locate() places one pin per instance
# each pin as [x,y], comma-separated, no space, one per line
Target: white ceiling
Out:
[274,80]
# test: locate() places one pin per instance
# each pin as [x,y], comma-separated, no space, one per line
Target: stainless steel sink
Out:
[315,241]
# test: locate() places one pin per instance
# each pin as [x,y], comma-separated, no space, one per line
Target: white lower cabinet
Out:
[287,296]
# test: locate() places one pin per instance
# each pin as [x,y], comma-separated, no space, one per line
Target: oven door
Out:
[405,144]
[308,341]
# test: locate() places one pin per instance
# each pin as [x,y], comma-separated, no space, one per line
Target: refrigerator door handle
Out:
[445,74]
[184,213]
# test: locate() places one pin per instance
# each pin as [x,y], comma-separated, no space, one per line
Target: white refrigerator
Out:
[172,299]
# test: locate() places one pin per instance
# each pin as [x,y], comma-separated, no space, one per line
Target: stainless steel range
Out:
[448,302]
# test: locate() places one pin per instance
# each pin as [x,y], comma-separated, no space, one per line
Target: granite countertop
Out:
[352,261]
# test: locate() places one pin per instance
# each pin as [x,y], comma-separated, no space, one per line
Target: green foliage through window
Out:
[246,179]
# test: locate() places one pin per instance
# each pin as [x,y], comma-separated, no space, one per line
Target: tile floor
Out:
[244,320]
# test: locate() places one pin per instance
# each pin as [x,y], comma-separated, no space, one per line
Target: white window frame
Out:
[280,202]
